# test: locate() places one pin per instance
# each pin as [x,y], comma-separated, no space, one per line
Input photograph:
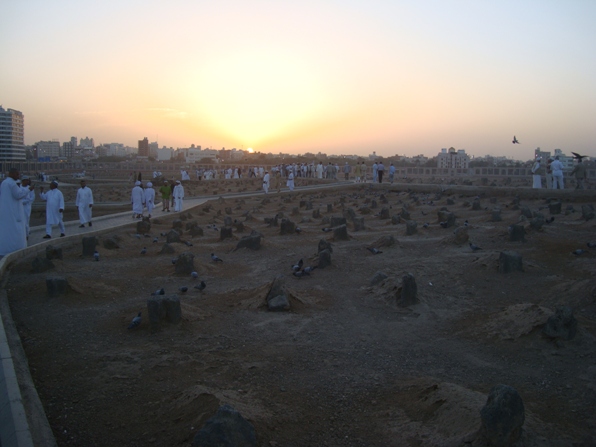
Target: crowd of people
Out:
[553,173]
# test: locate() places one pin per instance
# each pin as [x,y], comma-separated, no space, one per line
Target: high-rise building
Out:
[451,158]
[74,142]
[48,149]
[144,147]
[67,150]
[12,135]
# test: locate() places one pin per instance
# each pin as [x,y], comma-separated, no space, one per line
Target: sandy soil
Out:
[346,366]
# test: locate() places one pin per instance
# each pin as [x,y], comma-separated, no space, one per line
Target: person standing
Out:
[266,179]
[363,171]
[380,171]
[290,182]
[137,198]
[357,173]
[320,170]
[54,209]
[537,181]
[165,192]
[549,174]
[375,173]
[347,169]
[27,202]
[13,235]
[84,204]
[557,168]
[579,170]
[178,196]
[150,198]
[391,173]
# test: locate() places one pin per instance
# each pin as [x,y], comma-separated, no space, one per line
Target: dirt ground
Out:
[345,366]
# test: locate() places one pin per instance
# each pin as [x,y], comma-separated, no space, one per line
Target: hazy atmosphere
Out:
[337,77]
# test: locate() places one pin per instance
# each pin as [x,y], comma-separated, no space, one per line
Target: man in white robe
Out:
[13,234]
[150,198]
[84,204]
[137,199]
[54,209]
[266,180]
[320,170]
[290,182]
[536,178]
[178,196]
[27,201]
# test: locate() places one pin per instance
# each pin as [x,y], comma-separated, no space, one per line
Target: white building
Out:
[48,149]
[12,135]
[165,154]
[195,155]
[453,159]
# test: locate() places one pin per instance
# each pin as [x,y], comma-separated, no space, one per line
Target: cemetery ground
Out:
[348,364]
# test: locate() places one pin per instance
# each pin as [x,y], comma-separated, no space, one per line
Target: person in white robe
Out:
[266,180]
[54,209]
[150,198]
[536,179]
[137,199]
[178,196]
[27,202]
[290,181]
[13,234]
[320,170]
[84,204]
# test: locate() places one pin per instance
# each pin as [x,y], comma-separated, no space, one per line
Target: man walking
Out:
[178,196]
[165,192]
[84,204]
[149,198]
[27,202]
[380,171]
[13,234]
[137,198]
[54,209]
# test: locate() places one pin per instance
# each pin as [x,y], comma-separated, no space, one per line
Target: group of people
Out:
[553,173]
[145,197]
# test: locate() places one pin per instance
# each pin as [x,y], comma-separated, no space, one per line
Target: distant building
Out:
[539,153]
[453,159]
[48,149]
[87,143]
[74,142]
[67,150]
[143,147]
[165,154]
[12,135]
[565,160]
[153,149]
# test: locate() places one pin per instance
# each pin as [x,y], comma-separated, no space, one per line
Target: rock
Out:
[53,252]
[496,215]
[185,264]
[378,278]
[40,265]
[517,233]
[502,416]
[446,216]
[57,286]
[407,294]
[384,213]
[144,226]
[510,261]
[226,429]
[177,224]
[110,244]
[337,221]
[526,211]
[561,325]
[89,244]
[587,212]
[461,235]
[167,249]
[537,222]
[324,245]
[277,298]
[395,219]
[476,205]
[173,236]
[358,223]
[329,208]
[324,259]
[341,233]
[405,214]
[253,241]
[316,214]
[411,227]
[225,233]
[554,207]
[196,231]
[287,227]
[163,308]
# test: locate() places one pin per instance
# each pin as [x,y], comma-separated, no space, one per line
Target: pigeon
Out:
[147,235]
[195,275]
[474,247]
[201,286]
[188,244]
[183,289]
[550,220]
[308,270]
[466,223]
[135,321]
[374,251]
[579,251]
[515,140]
[138,236]
[162,234]
[300,274]
[298,230]
[174,261]
[215,258]
[144,250]
[425,225]
[327,229]
[155,240]
[591,244]
[444,224]
[298,266]
[159,292]
[579,157]
[96,255]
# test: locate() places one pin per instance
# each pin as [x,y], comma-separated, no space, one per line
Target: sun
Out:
[250,150]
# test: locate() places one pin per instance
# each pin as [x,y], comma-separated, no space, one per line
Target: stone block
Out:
[89,245]
[502,416]
[561,325]
[510,261]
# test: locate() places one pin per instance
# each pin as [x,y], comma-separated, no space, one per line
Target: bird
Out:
[162,234]
[444,224]
[374,251]
[591,244]
[147,235]
[174,261]
[550,220]
[135,321]
[308,270]
[144,250]
[466,223]
[138,236]
[300,274]
[579,157]
[515,140]
[159,292]
[188,244]
[298,230]
[215,258]
[195,275]
[327,229]
[96,255]
[425,225]
[201,286]
[298,265]
[474,247]
[579,251]
[183,289]
[155,240]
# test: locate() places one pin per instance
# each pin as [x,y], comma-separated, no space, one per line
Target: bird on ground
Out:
[144,250]
[298,265]
[201,286]
[444,224]
[298,230]
[474,247]
[138,236]
[466,223]
[327,229]
[300,274]
[550,220]
[195,275]
[162,234]
[579,251]
[135,321]
[515,140]
[155,240]
[591,244]
[159,292]
[147,235]
[183,289]
[96,255]
[308,270]
[374,251]
[577,156]
[215,258]
[174,261]
[425,225]
[188,244]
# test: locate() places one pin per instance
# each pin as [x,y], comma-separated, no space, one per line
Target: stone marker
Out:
[296,211]
[324,259]
[537,222]
[446,216]
[341,233]
[163,308]
[277,298]
[195,230]
[561,325]
[450,202]
[411,227]
[373,204]
[554,207]
[173,236]
[461,235]
[587,212]
[144,226]
[316,214]
[177,224]
[405,214]
[324,245]
[167,249]
[110,243]
[407,294]
[517,233]
[308,206]
[185,264]
[526,211]
[57,286]
[395,219]
[253,241]
[226,429]
[53,252]
[502,416]
[476,205]
[384,213]
[510,261]
[349,214]
[337,221]
[228,210]
[378,278]
[40,265]
[227,221]
[287,227]
[329,207]
[225,233]
[496,215]
[89,244]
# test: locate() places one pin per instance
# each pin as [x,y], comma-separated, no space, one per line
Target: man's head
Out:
[54,185]
[13,173]
[83,183]
[25,181]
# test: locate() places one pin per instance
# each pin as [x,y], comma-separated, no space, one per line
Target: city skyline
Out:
[339,78]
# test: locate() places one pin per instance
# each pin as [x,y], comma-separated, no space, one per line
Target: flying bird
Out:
[144,250]
[298,266]
[215,258]
[374,251]
[183,289]
[159,292]
[579,157]
[515,140]
[96,255]
[135,321]
[201,286]
[474,247]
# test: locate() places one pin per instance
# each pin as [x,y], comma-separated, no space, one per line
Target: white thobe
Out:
[266,183]
[13,235]
[319,171]
[83,202]
[290,182]
[150,199]
[27,202]
[137,199]
[178,197]
[54,203]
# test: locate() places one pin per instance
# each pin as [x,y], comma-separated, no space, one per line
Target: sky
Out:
[340,77]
